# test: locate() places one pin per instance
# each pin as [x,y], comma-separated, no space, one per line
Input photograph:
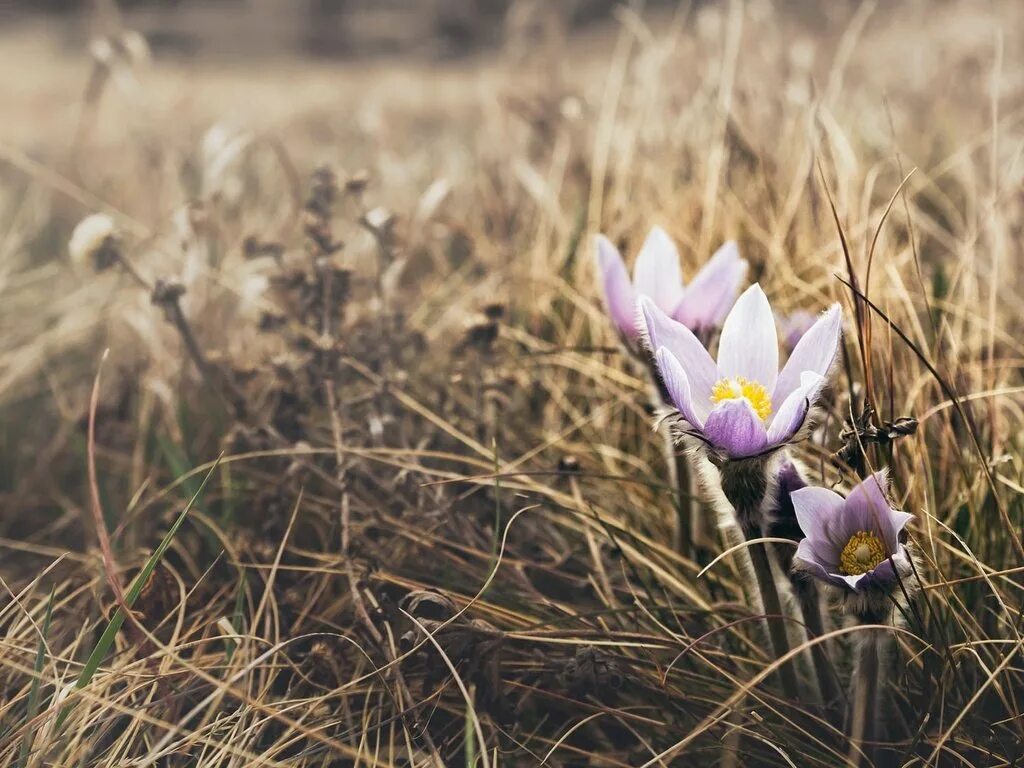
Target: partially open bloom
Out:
[700,306]
[92,240]
[742,405]
[852,543]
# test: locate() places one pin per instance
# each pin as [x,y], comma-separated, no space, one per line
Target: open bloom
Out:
[743,405]
[852,543]
[700,306]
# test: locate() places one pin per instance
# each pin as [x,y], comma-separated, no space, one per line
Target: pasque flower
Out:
[700,306]
[852,543]
[742,405]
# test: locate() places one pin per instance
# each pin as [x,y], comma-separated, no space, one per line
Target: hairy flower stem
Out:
[679,469]
[745,485]
[774,616]
[864,715]
[808,599]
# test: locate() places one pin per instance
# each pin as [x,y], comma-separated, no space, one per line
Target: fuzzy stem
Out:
[807,595]
[745,485]
[774,616]
[864,716]
[679,470]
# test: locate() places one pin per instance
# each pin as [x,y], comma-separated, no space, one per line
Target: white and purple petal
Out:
[792,413]
[818,512]
[712,292]
[735,428]
[616,287]
[816,351]
[678,386]
[869,503]
[657,273]
[701,372]
[808,559]
[749,346]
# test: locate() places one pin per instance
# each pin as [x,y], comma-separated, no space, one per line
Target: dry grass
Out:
[439,532]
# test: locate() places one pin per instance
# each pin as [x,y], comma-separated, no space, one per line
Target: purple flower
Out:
[743,405]
[701,305]
[853,542]
[793,326]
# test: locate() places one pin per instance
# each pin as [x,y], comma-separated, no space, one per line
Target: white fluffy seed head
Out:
[90,235]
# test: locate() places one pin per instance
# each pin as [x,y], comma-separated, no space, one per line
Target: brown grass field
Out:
[380,486]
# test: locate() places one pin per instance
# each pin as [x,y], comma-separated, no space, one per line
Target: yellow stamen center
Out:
[862,553]
[740,388]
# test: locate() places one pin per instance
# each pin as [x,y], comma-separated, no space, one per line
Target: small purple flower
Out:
[742,405]
[852,543]
[700,306]
[793,326]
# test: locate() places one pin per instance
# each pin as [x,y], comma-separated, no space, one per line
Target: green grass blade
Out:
[99,652]
[33,694]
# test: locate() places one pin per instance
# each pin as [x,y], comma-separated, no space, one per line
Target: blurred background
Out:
[335,28]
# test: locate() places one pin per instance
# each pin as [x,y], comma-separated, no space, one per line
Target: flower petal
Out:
[869,503]
[711,294]
[853,582]
[749,346]
[809,560]
[616,287]
[819,511]
[735,428]
[701,372]
[657,273]
[677,385]
[791,414]
[816,351]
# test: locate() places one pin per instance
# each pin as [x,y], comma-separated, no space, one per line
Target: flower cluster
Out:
[737,414]
[740,404]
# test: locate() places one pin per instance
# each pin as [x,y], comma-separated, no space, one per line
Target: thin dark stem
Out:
[232,397]
[168,296]
[133,273]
